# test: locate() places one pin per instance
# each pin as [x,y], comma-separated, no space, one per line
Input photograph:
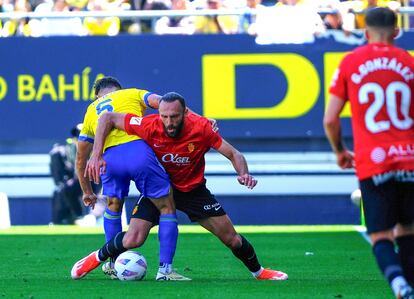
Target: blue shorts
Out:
[133,161]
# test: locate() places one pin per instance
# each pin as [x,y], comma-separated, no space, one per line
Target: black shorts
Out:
[387,204]
[197,204]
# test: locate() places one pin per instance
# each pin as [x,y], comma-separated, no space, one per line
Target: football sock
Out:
[257,273]
[248,256]
[112,248]
[406,254]
[388,262]
[167,236]
[165,268]
[112,223]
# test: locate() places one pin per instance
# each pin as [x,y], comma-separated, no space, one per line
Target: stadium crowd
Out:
[293,14]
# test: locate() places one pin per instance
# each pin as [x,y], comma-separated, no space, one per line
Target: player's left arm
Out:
[332,125]
[152,100]
[239,163]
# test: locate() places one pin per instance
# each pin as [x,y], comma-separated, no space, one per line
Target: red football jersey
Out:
[182,157]
[378,80]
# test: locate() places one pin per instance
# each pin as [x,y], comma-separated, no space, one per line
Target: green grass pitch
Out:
[322,262]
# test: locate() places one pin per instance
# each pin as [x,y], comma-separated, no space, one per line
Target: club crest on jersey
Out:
[190,147]
[135,121]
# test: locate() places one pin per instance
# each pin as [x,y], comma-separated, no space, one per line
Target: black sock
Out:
[112,248]
[406,254]
[247,255]
[387,259]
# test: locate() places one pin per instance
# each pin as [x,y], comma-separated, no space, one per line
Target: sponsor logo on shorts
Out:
[135,121]
[397,175]
[176,159]
[216,206]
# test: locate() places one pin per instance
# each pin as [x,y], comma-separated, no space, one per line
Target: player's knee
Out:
[114,204]
[403,230]
[165,205]
[133,241]
[382,235]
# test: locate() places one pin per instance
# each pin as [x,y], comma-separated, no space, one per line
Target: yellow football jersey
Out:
[132,100]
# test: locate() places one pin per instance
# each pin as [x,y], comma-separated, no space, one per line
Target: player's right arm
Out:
[332,125]
[84,149]
[106,123]
[83,152]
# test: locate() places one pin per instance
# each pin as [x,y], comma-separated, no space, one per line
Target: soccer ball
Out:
[130,265]
[356,197]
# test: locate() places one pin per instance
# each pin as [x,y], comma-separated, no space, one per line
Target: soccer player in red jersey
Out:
[180,140]
[378,81]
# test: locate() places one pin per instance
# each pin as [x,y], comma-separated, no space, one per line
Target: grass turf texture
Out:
[37,263]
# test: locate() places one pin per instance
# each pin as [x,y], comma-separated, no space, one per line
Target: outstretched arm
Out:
[106,123]
[239,164]
[332,124]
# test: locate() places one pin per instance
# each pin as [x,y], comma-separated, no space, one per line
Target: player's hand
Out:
[214,124]
[89,200]
[94,168]
[345,159]
[247,180]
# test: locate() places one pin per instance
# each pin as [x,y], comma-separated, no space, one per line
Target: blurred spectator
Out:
[6,6]
[289,21]
[175,25]
[17,27]
[248,20]
[66,197]
[77,5]
[340,23]
[101,26]
[66,204]
[147,24]
[56,26]
[216,24]
[367,4]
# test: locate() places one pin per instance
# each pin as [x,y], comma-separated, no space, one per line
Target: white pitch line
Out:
[363,232]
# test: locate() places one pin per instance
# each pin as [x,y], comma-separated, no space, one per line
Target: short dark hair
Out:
[170,97]
[382,17]
[75,131]
[106,82]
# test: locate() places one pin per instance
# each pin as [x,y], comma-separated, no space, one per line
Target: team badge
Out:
[135,210]
[191,147]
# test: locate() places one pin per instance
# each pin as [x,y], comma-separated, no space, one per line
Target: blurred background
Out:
[261,68]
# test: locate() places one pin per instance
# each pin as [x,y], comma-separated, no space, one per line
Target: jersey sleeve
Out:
[87,134]
[339,84]
[144,98]
[136,125]
[214,138]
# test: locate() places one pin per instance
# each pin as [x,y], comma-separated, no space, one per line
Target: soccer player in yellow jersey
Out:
[128,158]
